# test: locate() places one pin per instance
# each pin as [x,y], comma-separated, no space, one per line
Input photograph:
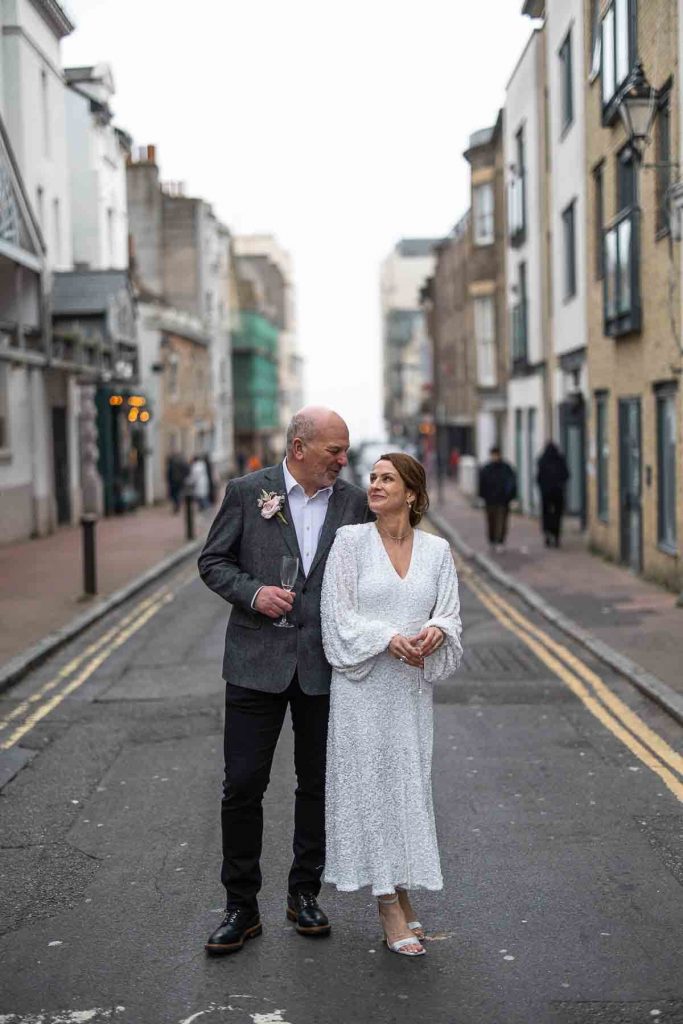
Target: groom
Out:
[291,509]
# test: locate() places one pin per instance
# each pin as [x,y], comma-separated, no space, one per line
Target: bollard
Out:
[189,516]
[88,523]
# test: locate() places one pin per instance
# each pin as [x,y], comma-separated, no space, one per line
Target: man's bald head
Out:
[317,443]
[312,420]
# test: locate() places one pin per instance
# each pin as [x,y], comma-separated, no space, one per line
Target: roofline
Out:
[56,16]
[534,33]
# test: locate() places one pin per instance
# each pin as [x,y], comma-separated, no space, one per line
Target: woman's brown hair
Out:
[413,476]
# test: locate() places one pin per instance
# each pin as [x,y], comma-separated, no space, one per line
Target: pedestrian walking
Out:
[454,463]
[497,488]
[272,521]
[212,483]
[391,628]
[177,471]
[199,482]
[551,476]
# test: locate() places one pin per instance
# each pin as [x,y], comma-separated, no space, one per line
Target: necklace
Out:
[399,537]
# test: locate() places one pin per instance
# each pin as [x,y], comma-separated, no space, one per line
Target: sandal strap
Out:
[387,900]
[401,943]
[413,925]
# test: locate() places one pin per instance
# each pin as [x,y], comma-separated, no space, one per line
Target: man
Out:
[497,488]
[266,668]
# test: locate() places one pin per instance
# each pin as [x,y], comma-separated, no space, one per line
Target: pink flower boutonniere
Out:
[271,504]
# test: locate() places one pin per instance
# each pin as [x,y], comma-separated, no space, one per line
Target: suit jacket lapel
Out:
[276,479]
[335,509]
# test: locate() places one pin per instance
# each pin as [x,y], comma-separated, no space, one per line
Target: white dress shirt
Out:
[308,516]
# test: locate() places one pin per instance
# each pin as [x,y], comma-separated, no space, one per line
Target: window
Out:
[602,455]
[57,231]
[483,211]
[4,409]
[663,161]
[45,110]
[599,198]
[666,468]
[516,193]
[621,286]
[566,99]
[626,179]
[595,39]
[519,322]
[569,240]
[485,336]
[618,50]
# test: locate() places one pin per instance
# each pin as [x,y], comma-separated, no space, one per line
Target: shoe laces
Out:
[307,899]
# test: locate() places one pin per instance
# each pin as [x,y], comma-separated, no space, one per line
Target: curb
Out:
[646,682]
[12,671]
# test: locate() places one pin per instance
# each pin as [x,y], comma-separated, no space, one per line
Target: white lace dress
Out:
[379,812]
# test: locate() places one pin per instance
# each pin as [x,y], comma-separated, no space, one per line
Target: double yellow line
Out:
[29,712]
[595,695]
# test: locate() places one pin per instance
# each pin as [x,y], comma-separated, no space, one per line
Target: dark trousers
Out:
[552,504]
[497,523]
[253,721]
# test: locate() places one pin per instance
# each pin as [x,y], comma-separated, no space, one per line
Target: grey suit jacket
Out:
[242,553]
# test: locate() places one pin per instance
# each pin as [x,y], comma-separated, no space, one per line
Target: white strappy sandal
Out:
[400,945]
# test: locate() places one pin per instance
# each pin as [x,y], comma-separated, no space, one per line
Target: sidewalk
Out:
[41,581]
[638,619]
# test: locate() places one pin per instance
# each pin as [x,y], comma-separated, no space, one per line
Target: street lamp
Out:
[637,107]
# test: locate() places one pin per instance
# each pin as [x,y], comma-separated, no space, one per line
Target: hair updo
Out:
[413,476]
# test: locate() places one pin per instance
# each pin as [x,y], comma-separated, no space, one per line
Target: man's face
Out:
[320,460]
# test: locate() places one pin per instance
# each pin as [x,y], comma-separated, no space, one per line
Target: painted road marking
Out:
[522,628]
[104,646]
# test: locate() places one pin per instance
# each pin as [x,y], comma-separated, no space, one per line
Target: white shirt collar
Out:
[291,483]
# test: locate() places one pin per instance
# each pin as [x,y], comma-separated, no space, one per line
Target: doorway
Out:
[630,483]
[573,443]
[60,460]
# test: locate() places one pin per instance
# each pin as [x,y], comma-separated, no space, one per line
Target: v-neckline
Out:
[386,554]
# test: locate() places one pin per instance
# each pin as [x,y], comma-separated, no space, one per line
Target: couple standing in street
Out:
[375,616]
[498,488]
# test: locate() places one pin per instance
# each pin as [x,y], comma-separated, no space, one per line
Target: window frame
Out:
[520,320]
[566,83]
[569,251]
[619,321]
[517,192]
[483,213]
[663,163]
[665,399]
[620,15]
[599,219]
[485,340]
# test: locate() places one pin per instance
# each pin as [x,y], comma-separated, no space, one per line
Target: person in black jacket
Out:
[497,488]
[551,477]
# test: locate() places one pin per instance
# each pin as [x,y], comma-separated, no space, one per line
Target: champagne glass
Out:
[289,570]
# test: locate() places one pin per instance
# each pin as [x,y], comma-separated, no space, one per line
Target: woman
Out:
[391,627]
[551,477]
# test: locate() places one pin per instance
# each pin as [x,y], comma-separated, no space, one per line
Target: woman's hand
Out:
[428,641]
[406,651]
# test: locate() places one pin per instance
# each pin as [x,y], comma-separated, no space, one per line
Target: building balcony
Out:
[622,313]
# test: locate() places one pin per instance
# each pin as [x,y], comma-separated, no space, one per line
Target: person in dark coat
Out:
[497,488]
[177,471]
[551,477]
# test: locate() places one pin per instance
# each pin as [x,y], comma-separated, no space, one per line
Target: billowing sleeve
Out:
[352,641]
[446,615]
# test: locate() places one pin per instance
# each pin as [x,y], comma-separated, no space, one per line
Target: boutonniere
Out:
[271,504]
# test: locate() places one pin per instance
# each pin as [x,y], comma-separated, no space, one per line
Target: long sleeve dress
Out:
[379,813]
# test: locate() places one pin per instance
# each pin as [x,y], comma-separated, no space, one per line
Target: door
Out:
[573,442]
[630,482]
[60,459]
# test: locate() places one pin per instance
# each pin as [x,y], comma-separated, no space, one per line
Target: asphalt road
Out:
[558,808]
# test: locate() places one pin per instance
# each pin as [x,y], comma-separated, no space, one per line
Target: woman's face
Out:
[387,494]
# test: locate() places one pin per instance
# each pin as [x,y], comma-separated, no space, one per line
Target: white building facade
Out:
[564,32]
[526,267]
[39,403]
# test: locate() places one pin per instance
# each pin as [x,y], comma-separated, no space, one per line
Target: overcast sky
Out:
[338,127]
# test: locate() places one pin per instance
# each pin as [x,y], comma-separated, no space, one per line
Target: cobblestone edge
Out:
[14,670]
[646,682]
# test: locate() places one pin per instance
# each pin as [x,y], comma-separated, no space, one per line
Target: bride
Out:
[391,627]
